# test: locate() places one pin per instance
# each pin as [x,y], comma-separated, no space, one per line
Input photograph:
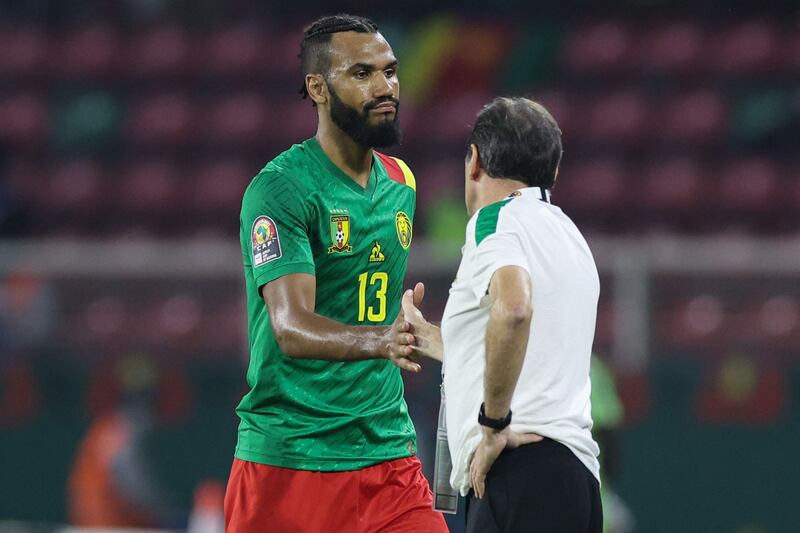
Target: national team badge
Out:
[265,241]
[340,234]
[403,225]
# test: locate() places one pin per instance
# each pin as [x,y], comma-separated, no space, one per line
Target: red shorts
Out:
[390,497]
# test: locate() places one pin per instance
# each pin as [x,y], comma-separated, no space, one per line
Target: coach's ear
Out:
[473,166]
[317,89]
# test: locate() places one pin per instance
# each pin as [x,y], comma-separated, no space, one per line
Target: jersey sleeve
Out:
[275,229]
[498,250]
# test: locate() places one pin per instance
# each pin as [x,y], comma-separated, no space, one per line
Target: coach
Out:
[516,337]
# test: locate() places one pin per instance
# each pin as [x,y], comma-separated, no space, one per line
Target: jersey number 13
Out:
[376,312]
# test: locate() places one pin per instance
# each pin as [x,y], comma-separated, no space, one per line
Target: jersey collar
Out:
[534,192]
[339,174]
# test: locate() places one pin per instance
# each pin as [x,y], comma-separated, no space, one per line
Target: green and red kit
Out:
[302,214]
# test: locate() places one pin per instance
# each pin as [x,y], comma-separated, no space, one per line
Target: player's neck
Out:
[352,158]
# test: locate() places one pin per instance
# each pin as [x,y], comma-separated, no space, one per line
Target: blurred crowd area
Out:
[129,130]
[149,120]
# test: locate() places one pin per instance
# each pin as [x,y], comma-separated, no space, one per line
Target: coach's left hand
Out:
[491,446]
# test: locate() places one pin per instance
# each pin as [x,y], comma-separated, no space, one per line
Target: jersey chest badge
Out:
[376,256]
[403,225]
[340,234]
[265,241]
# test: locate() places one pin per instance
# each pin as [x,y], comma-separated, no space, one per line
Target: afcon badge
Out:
[340,234]
[265,241]
[403,225]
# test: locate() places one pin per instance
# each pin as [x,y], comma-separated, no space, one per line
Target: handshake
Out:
[411,336]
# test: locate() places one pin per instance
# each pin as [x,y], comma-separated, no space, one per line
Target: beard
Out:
[356,124]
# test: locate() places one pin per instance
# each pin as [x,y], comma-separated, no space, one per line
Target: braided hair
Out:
[314,56]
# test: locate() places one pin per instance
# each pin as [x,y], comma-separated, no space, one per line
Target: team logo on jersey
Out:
[376,256]
[265,241]
[340,234]
[404,230]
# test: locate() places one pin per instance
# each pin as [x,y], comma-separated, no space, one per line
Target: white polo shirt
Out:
[552,394]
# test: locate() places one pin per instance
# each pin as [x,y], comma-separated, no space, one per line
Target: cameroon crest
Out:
[403,225]
[340,234]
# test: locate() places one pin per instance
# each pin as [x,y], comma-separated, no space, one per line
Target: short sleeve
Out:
[494,252]
[274,229]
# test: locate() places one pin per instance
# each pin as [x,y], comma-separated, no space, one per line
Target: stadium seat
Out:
[176,321]
[699,321]
[105,319]
[24,177]
[779,322]
[790,49]
[165,51]
[697,117]
[533,57]
[282,49]
[225,325]
[161,119]
[746,48]
[73,186]
[88,53]
[768,324]
[620,117]
[672,48]
[240,119]
[563,108]
[599,47]
[598,185]
[149,185]
[298,120]
[220,185]
[750,184]
[475,58]
[675,184]
[449,120]
[235,50]
[23,120]
[23,51]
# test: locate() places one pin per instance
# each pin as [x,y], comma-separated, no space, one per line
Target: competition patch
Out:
[340,234]
[265,241]
[404,229]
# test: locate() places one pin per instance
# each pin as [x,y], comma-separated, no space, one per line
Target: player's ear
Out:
[473,163]
[317,89]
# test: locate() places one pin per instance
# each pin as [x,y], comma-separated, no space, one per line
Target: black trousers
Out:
[537,488]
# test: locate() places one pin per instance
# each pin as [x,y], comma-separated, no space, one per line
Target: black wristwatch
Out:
[494,423]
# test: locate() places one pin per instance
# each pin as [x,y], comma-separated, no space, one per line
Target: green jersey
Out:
[302,214]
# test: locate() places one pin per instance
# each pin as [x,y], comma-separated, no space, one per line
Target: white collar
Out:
[536,192]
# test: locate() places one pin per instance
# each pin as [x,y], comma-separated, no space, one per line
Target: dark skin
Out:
[362,69]
[303,334]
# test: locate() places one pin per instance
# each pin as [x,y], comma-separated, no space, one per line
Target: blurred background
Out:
[129,130]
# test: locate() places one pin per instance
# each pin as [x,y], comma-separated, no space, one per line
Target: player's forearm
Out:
[506,341]
[312,336]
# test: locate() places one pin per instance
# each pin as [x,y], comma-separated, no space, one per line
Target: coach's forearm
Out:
[506,341]
[506,337]
[312,336]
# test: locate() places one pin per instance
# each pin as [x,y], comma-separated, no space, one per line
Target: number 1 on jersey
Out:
[371,314]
